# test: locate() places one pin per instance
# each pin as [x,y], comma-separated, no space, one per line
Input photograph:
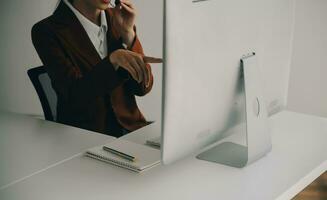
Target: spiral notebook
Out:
[146,157]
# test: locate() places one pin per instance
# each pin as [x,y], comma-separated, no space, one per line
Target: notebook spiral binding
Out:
[115,162]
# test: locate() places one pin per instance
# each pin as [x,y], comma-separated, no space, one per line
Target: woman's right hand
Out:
[134,63]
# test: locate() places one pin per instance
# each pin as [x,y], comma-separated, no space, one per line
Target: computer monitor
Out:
[202,95]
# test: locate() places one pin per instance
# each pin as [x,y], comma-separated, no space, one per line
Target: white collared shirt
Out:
[97,34]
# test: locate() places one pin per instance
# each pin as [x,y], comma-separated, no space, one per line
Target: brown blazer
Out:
[91,94]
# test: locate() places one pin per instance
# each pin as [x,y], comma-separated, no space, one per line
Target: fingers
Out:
[127,3]
[131,71]
[134,64]
[128,9]
[138,69]
[128,6]
[148,59]
[144,69]
[149,76]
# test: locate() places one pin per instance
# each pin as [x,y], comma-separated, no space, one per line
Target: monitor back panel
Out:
[204,42]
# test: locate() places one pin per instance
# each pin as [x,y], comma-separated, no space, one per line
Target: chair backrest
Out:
[46,93]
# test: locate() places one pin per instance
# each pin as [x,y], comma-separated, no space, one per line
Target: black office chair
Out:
[46,93]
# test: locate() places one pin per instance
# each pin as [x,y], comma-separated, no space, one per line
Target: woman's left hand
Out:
[124,17]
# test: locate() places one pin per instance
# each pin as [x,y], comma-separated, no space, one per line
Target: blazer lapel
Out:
[72,32]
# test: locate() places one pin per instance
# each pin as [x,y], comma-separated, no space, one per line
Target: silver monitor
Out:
[204,41]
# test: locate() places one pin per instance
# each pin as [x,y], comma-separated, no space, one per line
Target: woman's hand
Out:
[124,15]
[134,63]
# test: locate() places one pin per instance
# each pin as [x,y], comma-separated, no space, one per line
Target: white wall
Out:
[308,82]
[17,53]
[278,50]
[150,28]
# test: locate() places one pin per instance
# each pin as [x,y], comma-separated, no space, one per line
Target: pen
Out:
[118,153]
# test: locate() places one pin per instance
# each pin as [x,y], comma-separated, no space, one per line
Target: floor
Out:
[315,191]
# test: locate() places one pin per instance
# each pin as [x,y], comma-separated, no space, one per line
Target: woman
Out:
[96,64]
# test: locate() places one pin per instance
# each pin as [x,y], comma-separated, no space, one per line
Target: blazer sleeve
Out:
[74,87]
[139,89]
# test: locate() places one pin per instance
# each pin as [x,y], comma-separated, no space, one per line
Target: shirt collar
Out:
[86,23]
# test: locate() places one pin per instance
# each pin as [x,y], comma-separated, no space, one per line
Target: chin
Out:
[103,4]
[103,7]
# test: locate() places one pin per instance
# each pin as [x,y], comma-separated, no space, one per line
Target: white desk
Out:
[299,156]
[29,146]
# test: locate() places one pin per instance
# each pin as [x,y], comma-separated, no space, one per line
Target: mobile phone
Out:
[117,2]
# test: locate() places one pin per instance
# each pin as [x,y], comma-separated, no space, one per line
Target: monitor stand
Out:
[256,126]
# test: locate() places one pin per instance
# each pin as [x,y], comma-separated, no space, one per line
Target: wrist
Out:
[128,37]
[127,31]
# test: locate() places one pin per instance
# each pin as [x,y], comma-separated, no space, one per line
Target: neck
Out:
[91,13]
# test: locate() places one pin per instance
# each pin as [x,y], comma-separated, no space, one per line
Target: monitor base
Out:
[258,141]
[226,153]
